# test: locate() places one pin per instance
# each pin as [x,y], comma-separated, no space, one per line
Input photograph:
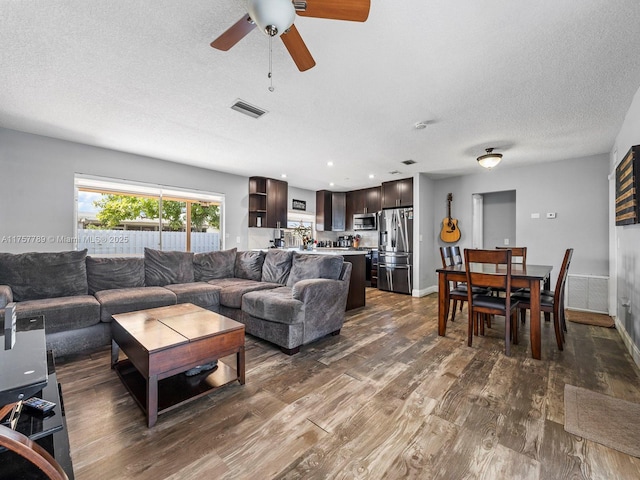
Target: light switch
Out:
[535,215]
[506,241]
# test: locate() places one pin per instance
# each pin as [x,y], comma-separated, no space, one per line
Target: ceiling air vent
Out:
[394,172]
[248,109]
[409,162]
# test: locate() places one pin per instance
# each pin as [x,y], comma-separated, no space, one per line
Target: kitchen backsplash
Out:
[261,237]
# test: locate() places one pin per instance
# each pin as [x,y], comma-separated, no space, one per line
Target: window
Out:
[298,222]
[121,218]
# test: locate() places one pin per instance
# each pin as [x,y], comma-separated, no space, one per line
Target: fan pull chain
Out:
[271,89]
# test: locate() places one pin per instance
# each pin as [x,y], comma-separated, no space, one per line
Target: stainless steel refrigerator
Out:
[395,250]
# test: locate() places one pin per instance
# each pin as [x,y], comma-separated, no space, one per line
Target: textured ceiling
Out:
[539,81]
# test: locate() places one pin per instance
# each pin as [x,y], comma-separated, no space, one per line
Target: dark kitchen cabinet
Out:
[330,211]
[268,200]
[366,200]
[398,193]
[372,200]
[338,211]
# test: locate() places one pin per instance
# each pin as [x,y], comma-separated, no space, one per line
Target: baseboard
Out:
[424,292]
[631,347]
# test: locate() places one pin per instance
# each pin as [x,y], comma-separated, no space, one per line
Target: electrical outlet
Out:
[551,215]
[506,241]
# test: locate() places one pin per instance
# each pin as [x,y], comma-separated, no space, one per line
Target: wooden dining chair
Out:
[32,452]
[518,254]
[490,269]
[550,301]
[457,291]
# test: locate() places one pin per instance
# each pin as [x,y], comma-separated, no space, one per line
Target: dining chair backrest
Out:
[488,268]
[558,294]
[456,256]
[517,253]
[445,254]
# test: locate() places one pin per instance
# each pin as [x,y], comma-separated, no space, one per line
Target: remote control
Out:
[39,404]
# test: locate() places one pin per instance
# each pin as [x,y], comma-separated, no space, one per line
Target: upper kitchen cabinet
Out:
[362,201]
[268,200]
[398,193]
[330,211]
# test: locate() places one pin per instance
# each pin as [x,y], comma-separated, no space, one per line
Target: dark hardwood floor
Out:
[387,399]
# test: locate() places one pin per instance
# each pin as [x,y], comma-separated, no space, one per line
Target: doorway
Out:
[494,219]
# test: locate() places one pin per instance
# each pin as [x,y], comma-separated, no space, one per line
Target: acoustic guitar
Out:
[450,232]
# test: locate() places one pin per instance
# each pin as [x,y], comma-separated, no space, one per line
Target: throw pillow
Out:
[37,275]
[277,265]
[306,266]
[165,268]
[109,272]
[249,265]
[210,265]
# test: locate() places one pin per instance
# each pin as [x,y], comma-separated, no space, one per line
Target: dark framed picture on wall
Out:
[627,206]
[299,205]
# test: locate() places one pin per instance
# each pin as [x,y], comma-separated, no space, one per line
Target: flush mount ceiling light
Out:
[489,159]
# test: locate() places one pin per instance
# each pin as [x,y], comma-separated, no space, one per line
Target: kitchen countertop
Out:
[326,251]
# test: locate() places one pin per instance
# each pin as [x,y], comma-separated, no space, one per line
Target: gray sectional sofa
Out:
[281,296]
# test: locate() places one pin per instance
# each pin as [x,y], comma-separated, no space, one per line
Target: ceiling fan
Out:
[275,17]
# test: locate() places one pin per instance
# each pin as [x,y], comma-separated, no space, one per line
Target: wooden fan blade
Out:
[297,49]
[234,34]
[353,10]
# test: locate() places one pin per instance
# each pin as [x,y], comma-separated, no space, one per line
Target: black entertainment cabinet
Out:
[49,430]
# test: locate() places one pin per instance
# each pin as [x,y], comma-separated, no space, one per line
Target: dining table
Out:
[522,276]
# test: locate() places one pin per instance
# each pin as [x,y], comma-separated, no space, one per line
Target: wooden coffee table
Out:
[162,343]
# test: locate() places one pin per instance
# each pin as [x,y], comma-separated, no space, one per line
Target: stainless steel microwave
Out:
[365,221]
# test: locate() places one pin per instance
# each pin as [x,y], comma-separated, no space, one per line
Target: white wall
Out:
[625,251]
[423,231]
[37,187]
[576,190]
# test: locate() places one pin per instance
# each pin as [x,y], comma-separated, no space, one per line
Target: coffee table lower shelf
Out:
[176,390]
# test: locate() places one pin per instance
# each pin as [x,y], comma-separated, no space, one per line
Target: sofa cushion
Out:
[277,265]
[63,313]
[308,266]
[210,265]
[199,293]
[114,272]
[123,300]
[164,268]
[249,265]
[232,289]
[37,275]
[276,305]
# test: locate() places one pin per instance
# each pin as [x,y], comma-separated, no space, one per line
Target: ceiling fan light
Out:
[273,17]
[489,159]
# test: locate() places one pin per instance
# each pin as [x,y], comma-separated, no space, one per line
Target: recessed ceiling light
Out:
[331,184]
[329,164]
[284,175]
[371,175]
[420,125]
